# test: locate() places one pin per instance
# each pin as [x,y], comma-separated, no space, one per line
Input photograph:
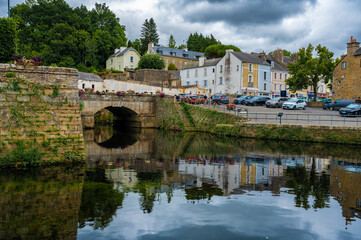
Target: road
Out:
[310,116]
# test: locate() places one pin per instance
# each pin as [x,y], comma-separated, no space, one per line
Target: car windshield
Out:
[276,99]
[353,106]
[256,98]
[293,100]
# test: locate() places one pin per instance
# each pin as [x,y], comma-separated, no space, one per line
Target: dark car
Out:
[276,102]
[238,100]
[351,110]
[244,98]
[218,99]
[340,103]
[256,101]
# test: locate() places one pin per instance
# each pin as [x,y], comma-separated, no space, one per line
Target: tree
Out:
[309,70]
[286,53]
[148,34]
[172,67]
[171,43]
[198,42]
[136,44]
[8,38]
[152,61]
[218,50]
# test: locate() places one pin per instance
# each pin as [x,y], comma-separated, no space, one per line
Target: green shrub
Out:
[55,93]
[27,156]
[172,67]
[81,106]
[10,75]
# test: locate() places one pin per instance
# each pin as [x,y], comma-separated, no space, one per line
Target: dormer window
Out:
[172,53]
[159,51]
[185,55]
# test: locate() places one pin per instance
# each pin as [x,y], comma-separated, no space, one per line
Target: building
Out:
[179,57]
[346,82]
[90,80]
[235,73]
[123,58]
[201,73]
[279,74]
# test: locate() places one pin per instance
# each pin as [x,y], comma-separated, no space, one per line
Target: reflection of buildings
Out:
[127,177]
[345,189]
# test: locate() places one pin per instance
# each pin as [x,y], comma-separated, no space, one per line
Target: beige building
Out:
[346,82]
[123,58]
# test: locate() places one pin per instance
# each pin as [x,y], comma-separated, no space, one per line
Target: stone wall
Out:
[153,77]
[41,105]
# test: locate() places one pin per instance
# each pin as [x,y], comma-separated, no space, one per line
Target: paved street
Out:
[310,116]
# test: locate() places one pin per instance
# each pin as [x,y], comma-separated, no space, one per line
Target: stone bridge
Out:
[128,110]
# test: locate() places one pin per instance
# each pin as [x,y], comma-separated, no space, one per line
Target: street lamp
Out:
[8,8]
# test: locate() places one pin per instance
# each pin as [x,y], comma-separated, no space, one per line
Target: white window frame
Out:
[220,80]
[250,67]
[264,75]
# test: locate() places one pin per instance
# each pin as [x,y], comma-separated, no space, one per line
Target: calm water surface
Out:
[146,184]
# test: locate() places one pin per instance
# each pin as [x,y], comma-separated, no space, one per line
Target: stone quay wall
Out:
[40,105]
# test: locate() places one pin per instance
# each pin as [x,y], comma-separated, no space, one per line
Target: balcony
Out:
[250,84]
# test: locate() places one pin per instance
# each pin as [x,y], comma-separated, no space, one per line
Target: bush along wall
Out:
[40,122]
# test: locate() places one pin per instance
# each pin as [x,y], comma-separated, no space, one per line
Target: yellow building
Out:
[123,58]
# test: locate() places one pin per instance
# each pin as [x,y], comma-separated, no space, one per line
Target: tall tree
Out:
[136,44]
[171,42]
[198,42]
[148,34]
[308,71]
[152,61]
[8,38]
[218,50]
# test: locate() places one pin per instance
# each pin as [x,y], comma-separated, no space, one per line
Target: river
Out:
[148,184]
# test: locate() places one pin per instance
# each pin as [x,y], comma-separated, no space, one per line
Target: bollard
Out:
[280,116]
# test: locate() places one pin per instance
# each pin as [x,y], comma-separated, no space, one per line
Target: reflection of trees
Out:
[148,187]
[207,191]
[305,183]
[100,200]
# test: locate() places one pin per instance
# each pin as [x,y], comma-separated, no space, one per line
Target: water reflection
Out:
[173,169]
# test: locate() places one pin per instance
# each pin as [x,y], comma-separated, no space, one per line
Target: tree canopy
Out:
[148,34]
[218,50]
[152,61]
[198,42]
[309,70]
[71,37]
[171,42]
[172,67]
[8,37]
[136,44]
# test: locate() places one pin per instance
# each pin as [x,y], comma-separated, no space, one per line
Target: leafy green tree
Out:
[172,67]
[219,50]
[198,42]
[148,34]
[172,42]
[8,38]
[309,70]
[182,46]
[152,61]
[136,44]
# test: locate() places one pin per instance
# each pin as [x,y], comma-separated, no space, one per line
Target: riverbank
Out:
[186,117]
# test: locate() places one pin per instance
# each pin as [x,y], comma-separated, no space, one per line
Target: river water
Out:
[147,184]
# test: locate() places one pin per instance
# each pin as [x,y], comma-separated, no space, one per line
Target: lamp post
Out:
[8,8]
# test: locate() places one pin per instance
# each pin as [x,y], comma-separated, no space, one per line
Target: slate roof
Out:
[277,65]
[207,63]
[120,53]
[82,76]
[357,52]
[174,52]
[250,58]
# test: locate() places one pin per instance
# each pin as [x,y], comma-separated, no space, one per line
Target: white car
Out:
[294,104]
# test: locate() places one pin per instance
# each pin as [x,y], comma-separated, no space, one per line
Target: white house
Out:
[123,58]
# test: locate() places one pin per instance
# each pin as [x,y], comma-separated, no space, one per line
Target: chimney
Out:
[150,47]
[263,56]
[352,46]
[201,61]
[116,50]
[122,49]
[278,55]
[229,50]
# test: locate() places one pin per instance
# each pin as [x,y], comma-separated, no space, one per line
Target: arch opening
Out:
[124,117]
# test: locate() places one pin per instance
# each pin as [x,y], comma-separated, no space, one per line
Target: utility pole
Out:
[8,8]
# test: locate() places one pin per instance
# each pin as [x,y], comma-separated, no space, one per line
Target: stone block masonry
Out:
[40,105]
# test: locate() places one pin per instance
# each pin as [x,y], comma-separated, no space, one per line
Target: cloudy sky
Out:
[252,25]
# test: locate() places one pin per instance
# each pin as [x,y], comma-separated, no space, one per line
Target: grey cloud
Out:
[244,12]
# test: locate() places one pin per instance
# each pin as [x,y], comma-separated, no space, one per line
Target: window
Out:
[220,81]
[93,86]
[265,75]
[213,82]
[221,69]
[205,83]
[343,65]
[111,61]
[237,68]
[166,62]
[83,85]
[196,73]
[275,75]
[131,59]
[119,67]
[188,83]
[321,88]
[213,69]
[205,72]
[280,87]
[197,83]
[250,81]
[187,73]
[285,76]
[250,67]
[280,75]
[358,203]
[265,86]
[275,87]
[338,82]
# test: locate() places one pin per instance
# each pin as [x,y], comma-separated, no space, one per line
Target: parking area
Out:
[310,116]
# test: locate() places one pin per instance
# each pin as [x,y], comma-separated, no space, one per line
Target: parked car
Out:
[256,101]
[239,100]
[218,99]
[294,104]
[276,102]
[327,100]
[351,110]
[246,98]
[180,96]
[340,103]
